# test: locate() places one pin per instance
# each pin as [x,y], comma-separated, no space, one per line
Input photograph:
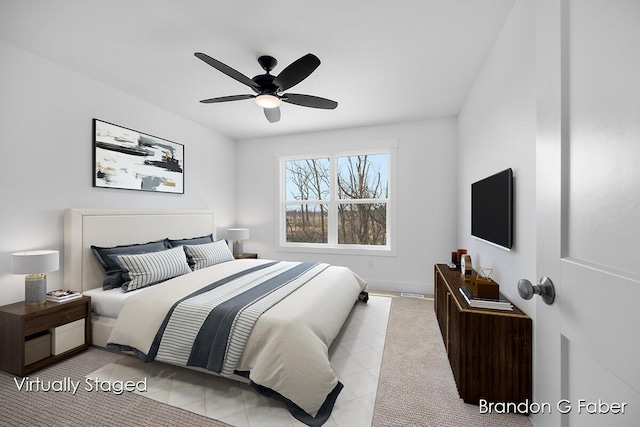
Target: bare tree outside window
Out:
[361,191]
[307,223]
[307,181]
[362,179]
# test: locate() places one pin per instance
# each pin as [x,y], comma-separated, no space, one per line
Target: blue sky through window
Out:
[308,179]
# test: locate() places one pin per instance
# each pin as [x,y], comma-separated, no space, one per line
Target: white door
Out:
[587,344]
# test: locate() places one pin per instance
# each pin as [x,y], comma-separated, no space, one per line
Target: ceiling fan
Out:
[269,88]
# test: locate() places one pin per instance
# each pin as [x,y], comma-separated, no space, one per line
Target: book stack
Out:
[62,295]
[496,304]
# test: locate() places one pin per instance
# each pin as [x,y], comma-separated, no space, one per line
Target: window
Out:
[336,202]
[363,194]
[307,184]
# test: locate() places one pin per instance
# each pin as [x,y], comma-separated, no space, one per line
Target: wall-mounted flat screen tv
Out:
[492,209]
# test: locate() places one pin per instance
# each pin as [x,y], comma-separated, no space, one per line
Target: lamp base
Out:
[237,248]
[35,290]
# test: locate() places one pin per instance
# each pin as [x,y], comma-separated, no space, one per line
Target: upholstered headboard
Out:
[104,227]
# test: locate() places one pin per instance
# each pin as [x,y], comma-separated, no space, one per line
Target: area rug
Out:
[355,356]
[35,406]
[416,385]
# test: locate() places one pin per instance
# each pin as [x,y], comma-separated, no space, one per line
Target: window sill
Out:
[373,251]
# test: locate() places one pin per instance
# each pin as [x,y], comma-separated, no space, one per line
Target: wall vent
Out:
[411,295]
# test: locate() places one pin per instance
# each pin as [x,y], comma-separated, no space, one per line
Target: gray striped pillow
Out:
[143,270]
[208,254]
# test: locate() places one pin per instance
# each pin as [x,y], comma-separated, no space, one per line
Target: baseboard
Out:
[398,287]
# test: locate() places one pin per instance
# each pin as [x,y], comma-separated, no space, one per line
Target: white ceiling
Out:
[382,61]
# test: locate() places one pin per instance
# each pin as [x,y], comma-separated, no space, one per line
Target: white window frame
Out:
[333,151]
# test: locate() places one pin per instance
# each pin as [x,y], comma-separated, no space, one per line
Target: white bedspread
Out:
[287,350]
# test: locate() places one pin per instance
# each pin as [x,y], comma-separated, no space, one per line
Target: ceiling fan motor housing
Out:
[265,81]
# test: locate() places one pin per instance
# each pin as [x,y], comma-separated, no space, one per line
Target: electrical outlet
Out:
[370,263]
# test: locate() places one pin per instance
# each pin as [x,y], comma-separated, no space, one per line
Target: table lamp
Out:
[34,264]
[237,235]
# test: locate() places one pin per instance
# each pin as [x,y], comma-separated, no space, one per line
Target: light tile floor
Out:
[355,356]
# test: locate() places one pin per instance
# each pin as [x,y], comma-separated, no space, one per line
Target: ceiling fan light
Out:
[268,101]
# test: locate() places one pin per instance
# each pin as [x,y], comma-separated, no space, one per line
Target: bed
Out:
[277,340]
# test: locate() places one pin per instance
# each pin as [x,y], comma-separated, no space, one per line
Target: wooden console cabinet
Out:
[489,350]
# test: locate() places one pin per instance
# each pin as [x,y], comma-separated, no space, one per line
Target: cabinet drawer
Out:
[55,318]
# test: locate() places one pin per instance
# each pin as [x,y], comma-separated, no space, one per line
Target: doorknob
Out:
[545,289]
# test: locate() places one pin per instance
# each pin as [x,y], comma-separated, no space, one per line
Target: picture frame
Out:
[127,159]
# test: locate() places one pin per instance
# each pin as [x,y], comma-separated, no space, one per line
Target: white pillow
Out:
[208,254]
[143,270]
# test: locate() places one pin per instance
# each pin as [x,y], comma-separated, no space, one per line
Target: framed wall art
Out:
[132,160]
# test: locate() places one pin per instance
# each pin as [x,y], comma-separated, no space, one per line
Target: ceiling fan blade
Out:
[296,72]
[272,114]
[309,101]
[227,70]
[226,99]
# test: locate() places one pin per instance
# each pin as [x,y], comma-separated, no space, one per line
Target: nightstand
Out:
[20,324]
[246,256]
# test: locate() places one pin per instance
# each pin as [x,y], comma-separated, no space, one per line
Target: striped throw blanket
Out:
[210,327]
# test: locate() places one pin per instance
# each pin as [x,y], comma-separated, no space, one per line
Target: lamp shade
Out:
[34,262]
[238,233]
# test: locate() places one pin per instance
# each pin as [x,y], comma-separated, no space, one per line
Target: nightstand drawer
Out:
[67,314]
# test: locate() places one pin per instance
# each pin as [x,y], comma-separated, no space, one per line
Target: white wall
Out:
[426,201]
[497,130]
[46,116]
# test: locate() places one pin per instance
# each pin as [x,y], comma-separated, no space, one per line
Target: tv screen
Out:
[492,209]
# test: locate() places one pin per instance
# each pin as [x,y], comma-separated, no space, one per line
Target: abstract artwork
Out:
[132,160]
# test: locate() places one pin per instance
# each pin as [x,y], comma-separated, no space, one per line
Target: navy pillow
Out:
[114,271]
[192,241]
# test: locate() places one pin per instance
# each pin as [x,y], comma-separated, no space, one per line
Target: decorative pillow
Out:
[114,272]
[192,241]
[208,254]
[143,270]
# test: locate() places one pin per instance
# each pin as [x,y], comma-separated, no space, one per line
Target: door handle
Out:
[545,289]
